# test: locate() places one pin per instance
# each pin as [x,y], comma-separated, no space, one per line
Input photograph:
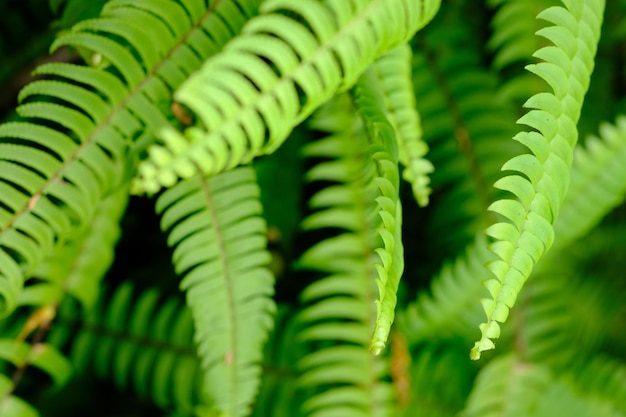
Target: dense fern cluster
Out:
[345,197]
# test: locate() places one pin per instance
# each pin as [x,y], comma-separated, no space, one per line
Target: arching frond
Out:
[528,231]
[393,69]
[449,310]
[289,60]
[220,250]
[82,127]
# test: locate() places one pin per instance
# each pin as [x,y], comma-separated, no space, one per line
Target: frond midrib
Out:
[227,280]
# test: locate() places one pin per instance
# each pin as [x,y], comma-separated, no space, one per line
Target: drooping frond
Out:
[339,316]
[393,69]
[288,61]
[384,177]
[543,177]
[82,127]
[449,310]
[220,244]
[140,341]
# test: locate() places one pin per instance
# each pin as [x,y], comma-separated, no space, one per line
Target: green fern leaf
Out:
[448,310]
[95,122]
[136,340]
[394,72]
[76,267]
[20,354]
[339,315]
[220,249]
[273,76]
[529,232]
[383,151]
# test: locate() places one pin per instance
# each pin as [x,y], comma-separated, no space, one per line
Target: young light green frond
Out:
[448,310]
[288,61]
[220,250]
[342,377]
[82,128]
[528,232]
[137,340]
[383,151]
[393,69]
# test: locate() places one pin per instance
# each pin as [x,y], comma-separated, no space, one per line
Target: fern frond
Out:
[528,234]
[385,177]
[520,385]
[77,266]
[288,61]
[140,341]
[82,129]
[448,311]
[393,69]
[220,244]
[341,376]
[21,355]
